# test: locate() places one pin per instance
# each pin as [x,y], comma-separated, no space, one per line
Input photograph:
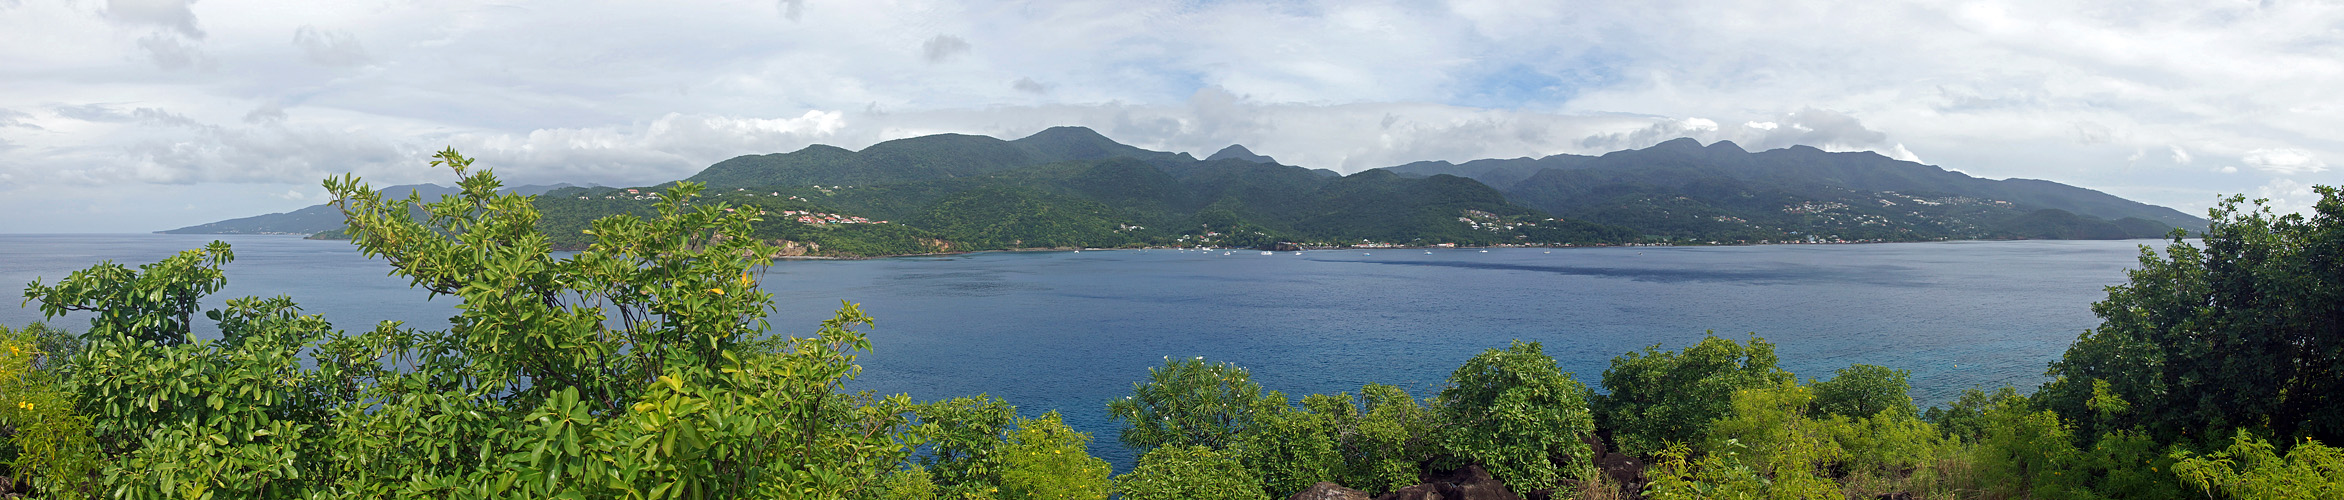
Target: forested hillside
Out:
[1681,189]
[1069,187]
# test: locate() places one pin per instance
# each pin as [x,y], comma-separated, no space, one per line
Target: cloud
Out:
[2288,196]
[791,9]
[330,47]
[2283,161]
[270,112]
[1028,85]
[17,119]
[2180,156]
[943,48]
[174,15]
[174,53]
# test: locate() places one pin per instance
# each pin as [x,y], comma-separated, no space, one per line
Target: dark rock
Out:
[1469,483]
[1417,492]
[1329,491]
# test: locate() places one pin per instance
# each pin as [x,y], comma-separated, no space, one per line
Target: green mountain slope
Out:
[1680,189]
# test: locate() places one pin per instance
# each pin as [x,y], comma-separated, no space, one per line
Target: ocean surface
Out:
[1068,331]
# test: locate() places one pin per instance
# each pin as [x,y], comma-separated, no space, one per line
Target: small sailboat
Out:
[1484,251]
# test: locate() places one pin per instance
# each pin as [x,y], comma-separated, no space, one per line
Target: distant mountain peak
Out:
[1238,152]
[1727,146]
[1066,132]
[1678,143]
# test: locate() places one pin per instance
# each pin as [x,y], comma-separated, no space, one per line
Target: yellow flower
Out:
[718,291]
[25,405]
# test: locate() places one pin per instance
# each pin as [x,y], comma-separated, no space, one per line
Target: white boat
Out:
[1224,253]
[1266,252]
[1484,251]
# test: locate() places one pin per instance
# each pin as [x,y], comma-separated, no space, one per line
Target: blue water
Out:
[1069,331]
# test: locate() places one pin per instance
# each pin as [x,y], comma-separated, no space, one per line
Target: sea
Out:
[1068,331]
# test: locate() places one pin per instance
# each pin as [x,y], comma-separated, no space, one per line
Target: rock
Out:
[1329,491]
[1469,483]
[1417,492]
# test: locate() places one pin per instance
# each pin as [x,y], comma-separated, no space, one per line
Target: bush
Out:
[2252,468]
[1188,473]
[1045,460]
[1662,397]
[1188,402]
[1288,448]
[1518,414]
[1381,437]
[1862,391]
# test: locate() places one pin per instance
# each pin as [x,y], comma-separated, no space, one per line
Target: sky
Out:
[143,115]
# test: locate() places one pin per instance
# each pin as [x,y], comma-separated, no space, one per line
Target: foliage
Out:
[2241,329]
[1517,413]
[1381,436]
[1660,397]
[48,444]
[2253,468]
[1289,449]
[2028,452]
[1865,390]
[1188,402]
[1045,460]
[1186,472]
[962,436]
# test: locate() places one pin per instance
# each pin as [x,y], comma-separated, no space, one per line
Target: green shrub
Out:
[49,446]
[2252,468]
[1662,397]
[1289,449]
[1518,414]
[1861,391]
[1045,460]
[1188,473]
[1381,446]
[1187,402]
[961,436]
[1767,432]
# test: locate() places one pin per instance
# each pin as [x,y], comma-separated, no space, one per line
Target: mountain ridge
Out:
[1073,187]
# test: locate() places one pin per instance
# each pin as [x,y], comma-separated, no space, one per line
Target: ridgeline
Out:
[1069,187]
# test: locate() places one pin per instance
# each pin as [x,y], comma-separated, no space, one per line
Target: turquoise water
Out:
[1070,330]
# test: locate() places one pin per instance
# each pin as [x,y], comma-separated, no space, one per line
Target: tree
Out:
[2243,328]
[1187,402]
[1518,414]
[1861,391]
[1662,397]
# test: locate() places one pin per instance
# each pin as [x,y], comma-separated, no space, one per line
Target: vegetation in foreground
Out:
[639,368]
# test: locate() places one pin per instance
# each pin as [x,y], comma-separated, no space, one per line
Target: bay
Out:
[1068,331]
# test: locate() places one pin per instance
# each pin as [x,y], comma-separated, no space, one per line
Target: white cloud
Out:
[2283,161]
[2003,88]
[943,48]
[174,15]
[2288,196]
[330,47]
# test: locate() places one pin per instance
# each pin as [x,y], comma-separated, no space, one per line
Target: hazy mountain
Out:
[324,217]
[1238,152]
[1070,186]
[922,158]
[1670,188]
